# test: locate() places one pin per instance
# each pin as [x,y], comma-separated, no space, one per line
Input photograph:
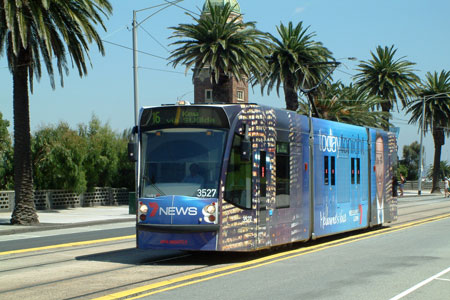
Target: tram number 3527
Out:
[206,193]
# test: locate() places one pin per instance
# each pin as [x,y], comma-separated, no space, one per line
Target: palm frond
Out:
[48,30]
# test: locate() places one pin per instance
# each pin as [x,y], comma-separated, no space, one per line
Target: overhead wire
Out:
[162,46]
[344,72]
[175,3]
[126,47]
[159,10]
[161,70]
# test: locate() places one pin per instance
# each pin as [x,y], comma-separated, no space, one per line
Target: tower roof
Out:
[233,3]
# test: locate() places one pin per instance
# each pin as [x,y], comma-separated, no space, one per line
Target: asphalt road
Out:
[411,256]
[377,267]
[62,236]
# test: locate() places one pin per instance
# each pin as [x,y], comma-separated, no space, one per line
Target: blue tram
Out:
[243,177]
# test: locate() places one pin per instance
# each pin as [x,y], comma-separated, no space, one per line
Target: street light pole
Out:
[424,98]
[135,70]
[135,50]
[135,73]
[419,188]
[136,104]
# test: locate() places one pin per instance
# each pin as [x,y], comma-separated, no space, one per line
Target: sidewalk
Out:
[68,218]
[414,193]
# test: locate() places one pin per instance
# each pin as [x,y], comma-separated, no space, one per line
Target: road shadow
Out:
[131,256]
[134,256]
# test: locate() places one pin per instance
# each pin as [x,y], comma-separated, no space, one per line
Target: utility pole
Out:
[419,188]
[135,70]
[135,77]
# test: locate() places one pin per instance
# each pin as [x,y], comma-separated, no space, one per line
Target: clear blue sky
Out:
[349,28]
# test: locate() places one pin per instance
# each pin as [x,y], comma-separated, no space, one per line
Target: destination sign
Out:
[184,116]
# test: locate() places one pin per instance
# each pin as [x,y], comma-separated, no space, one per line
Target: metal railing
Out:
[60,199]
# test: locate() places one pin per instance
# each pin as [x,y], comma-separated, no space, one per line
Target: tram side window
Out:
[262,174]
[358,171]
[333,173]
[352,165]
[239,177]
[283,174]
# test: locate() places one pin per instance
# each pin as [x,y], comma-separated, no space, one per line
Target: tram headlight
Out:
[143,208]
[210,209]
[209,213]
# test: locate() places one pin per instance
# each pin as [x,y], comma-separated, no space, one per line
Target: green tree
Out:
[58,157]
[435,93]
[6,154]
[296,60]
[102,158]
[125,168]
[93,156]
[411,156]
[32,32]
[402,169]
[221,43]
[444,170]
[346,104]
[388,78]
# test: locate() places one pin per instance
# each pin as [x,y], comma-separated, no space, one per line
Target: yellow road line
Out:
[224,271]
[83,243]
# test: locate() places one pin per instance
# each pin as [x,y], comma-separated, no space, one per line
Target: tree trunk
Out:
[439,140]
[290,94]
[386,107]
[24,209]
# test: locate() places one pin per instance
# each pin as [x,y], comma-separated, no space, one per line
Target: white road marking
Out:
[443,279]
[421,284]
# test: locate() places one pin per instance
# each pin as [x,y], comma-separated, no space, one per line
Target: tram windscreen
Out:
[181,161]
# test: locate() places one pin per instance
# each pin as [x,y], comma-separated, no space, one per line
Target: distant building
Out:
[237,91]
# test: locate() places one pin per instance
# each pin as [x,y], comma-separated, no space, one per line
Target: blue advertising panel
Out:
[205,241]
[173,211]
[180,210]
[341,177]
[384,154]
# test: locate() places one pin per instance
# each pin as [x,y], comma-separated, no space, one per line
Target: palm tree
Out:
[32,33]
[296,60]
[222,43]
[387,77]
[444,172]
[435,93]
[347,104]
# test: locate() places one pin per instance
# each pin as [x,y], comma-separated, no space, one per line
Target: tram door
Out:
[355,164]
[262,203]
[330,184]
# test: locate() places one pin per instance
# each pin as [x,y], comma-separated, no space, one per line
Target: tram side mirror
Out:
[246,149]
[132,146]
